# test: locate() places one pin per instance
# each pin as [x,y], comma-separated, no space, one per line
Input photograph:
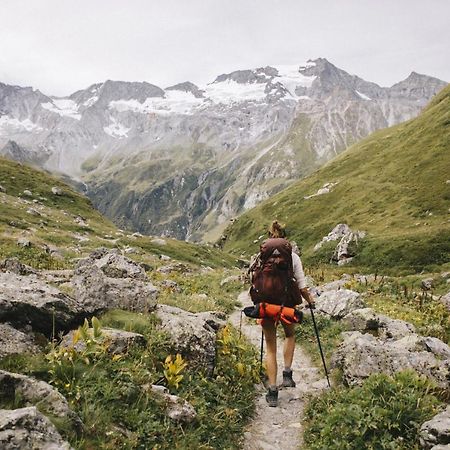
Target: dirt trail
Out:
[279,428]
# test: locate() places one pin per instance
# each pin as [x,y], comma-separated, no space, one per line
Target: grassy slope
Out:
[57,224]
[392,185]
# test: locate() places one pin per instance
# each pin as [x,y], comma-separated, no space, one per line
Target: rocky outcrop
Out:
[27,428]
[338,304]
[13,265]
[117,341]
[14,342]
[192,335]
[107,280]
[32,392]
[435,433]
[26,300]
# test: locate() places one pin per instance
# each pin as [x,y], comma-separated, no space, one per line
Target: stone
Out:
[445,300]
[13,265]
[177,267]
[171,285]
[37,393]
[158,241]
[117,341]
[23,242]
[437,347]
[361,355]
[26,300]
[338,304]
[15,342]
[2,189]
[230,279]
[192,335]
[33,212]
[28,193]
[367,320]
[332,286]
[107,280]
[427,284]
[57,191]
[27,428]
[436,432]
[164,257]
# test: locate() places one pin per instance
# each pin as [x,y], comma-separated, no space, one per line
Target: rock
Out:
[193,335]
[338,304]
[30,301]
[15,342]
[13,265]
[32,392]
[117,341]
[28,193]
[164,257]
[445,300]
[177,267]
[56,191]
[230,279]
[361,355]
[427,284]
[158,241]
[2,189]
[23,242]
[178,409]
[130,250]
[81,221]
[27,428]
[332,286]
[338,232]
[437,347]
[367,320]
[33,212]
[170,284]
[436,432]
[107,280]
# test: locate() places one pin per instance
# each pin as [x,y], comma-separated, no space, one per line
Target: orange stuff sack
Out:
[277,313]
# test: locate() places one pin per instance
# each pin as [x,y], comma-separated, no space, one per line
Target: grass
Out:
[391,185]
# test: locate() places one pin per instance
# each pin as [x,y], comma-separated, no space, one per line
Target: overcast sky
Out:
[59,46]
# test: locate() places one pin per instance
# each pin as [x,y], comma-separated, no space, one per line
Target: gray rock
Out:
[332,286]
[441,447]
[15,342]
[445,300]
[436,432]
[437,347]
[170,284]
[108,280]
[56,191]
[361,355]
[2,189]
[27,428]
[26,300]
[28,193]
[23,242]
[193,335]
[158,241]
[230,279]
[177,267]
[338,304]
[117,341]
[13,265]
[164,258]
[37,393]
[367,320]
[427,284]
[33,212]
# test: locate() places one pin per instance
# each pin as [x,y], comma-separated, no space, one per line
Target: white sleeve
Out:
[298,271]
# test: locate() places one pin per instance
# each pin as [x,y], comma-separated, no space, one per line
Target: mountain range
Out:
[184,160]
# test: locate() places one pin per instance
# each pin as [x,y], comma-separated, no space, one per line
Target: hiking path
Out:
[279,428]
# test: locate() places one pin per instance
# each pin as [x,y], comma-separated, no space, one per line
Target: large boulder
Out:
[27,428]
[107,280]
[14,342]
[192,335]
[436,432]
[26,300]
[338,304]
[367,320]
[117,341]
[37,393]
[361,355]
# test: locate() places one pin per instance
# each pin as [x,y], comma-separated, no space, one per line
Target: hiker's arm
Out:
[307,296]
[301,279]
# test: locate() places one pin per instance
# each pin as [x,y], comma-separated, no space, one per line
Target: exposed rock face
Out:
[236,132]
[361,355]
[14,342]
[193,335]
[338,304]
[107,280]
[27,428]
[29,301]
[37,393]
[117,341]
[435,434]
[13,265]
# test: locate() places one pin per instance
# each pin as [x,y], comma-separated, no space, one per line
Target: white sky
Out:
[59,46]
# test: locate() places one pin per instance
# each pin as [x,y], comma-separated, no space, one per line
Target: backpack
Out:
[273,274]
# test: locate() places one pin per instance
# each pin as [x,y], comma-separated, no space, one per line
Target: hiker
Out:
[278,279]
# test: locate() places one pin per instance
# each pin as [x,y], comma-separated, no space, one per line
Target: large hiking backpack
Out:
[273,274]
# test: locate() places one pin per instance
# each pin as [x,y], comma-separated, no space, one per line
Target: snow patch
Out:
[90,101]
[229,91]
[116,129]
[363,96]
[11,124]
[64,107]
[290,77]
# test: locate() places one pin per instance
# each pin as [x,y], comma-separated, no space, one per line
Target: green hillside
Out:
[64,226]
[393,185]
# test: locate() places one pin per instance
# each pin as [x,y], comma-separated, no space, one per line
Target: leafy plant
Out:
[173,368]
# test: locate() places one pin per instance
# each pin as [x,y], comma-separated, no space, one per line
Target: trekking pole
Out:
[261,356]
[320,346]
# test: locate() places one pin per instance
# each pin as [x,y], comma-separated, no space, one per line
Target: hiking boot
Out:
[272,397]
[287,379]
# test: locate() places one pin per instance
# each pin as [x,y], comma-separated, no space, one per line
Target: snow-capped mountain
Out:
[183,160]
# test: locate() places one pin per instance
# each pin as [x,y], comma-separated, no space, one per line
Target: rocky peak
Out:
[417,86]
[187,86]
[249,76]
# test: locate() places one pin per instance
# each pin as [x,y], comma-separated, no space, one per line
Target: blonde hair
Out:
[277,230]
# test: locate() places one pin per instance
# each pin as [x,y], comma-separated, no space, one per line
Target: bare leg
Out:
[270,335]
[289,345]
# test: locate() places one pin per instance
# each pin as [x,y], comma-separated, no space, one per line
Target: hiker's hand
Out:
[311,305]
